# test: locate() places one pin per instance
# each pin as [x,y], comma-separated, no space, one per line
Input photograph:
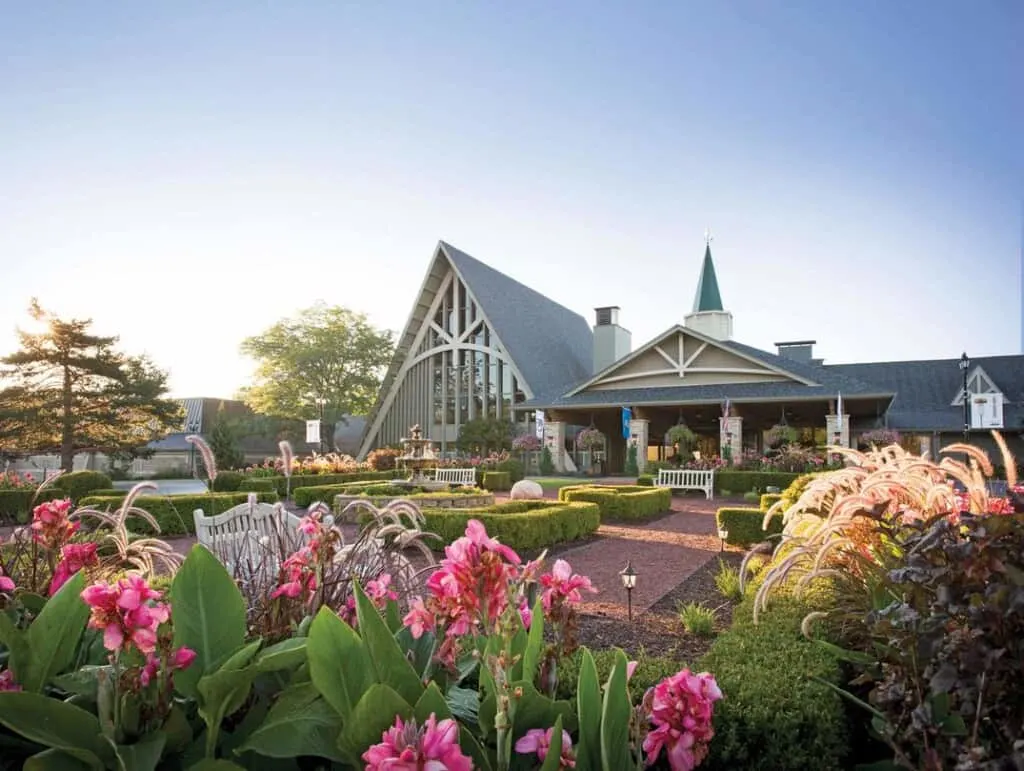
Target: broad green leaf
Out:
[34,603]
[144,754]
[56,760]
[54,634]
[393,616]
[301,722]
[224,691]
[83,681]
[208,614]
[615,714]
[464,704]
[470,746]
[215,765]
[588,710]
[392,667]
[431,701]
[373,715]
[488,702]
[287,654]
[553,760]
[534,643]
[535,710]
[55,724]
[954,725]
[339,664]
[178,731]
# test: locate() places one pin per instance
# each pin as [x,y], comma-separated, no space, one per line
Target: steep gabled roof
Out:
[707,298]
[551,345]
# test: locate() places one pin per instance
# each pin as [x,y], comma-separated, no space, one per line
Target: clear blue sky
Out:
[187,173]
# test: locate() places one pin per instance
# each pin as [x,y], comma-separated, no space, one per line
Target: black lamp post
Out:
[965,362]
[192,428]
[628,576]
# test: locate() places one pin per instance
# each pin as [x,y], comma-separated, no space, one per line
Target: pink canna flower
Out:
[51,526]
[6,584]
[180,659]
[127,612]
[7,682]
[681,708]
[562,584]
[73,557]
[406,747]
[538,741]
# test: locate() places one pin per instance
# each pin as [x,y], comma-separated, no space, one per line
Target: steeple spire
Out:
[708,297]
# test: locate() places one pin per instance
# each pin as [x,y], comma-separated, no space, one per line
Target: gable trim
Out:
[681,367]
[978,384]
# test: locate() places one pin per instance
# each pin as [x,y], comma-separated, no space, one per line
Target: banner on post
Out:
[540,424]
[627,416]
[312,432]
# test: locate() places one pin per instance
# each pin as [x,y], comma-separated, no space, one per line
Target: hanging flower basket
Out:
[780,435]
[590,439]
[683,436]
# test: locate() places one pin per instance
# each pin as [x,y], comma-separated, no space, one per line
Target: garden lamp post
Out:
[628,576]
[965,362]
[192,427]
[321,402]
[723,536]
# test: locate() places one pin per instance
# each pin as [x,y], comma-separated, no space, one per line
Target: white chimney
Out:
[611,342]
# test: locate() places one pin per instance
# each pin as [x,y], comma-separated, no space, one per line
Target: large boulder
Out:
[526,490]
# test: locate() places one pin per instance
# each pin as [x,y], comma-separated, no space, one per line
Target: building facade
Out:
[480,344]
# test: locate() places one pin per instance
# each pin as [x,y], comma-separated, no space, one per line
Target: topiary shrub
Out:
[624,502]
[769,499]
[513,467]
[174,512]
[77,484]
[546,463]
[228,482]
[645,480]
[257,485]
[745,525]
[496,481]
[752,480]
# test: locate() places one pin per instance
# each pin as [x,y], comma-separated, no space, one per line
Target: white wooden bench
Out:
[456,476]
[687,479]
[237,535]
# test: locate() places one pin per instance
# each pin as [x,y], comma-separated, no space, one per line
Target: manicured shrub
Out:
[751,480]
[174,512]
[752,496]
[310,480]
[630,502]
[78,483]
[795,489]
[514,468]
[497,480]
[774,715]
[645,480]
[744,525]
[228,481]
[770,499]
[546,462]
[257,485]
[650,670]
[521,525]
[16,505]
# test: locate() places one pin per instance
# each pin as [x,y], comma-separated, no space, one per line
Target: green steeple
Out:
[708,297]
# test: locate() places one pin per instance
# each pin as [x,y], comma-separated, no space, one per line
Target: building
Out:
[479,343]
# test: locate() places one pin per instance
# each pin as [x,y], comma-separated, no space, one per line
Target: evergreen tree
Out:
[547,463]
[71,391]
[224,443]
[632,468]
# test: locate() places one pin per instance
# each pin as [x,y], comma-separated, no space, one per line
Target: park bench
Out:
[456,476]
[687,479]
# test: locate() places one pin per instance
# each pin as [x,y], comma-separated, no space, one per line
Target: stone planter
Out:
[423,501]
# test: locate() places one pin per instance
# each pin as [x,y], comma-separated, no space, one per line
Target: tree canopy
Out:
[325,352]
[69,391]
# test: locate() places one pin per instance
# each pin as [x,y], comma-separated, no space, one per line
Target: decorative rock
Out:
[526,490]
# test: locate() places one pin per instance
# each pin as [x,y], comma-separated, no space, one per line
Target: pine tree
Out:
[547,463]
[224,444]
[71,391]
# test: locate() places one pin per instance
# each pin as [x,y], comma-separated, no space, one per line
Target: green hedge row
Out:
[645,480]
[174,512]
[257,485]
[774,715]
[16,505]
[744,481]
[744,525]
[521,525]
[77,484]
[769,499]
[320,480]
[305,496]
[497,481]
[621,501]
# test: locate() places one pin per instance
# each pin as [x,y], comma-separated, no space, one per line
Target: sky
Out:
[188,173]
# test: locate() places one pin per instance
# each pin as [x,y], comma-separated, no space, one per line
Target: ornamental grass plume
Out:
[847,526]
[434,746]
[209,461]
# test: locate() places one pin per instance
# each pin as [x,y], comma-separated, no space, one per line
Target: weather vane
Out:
[708,238]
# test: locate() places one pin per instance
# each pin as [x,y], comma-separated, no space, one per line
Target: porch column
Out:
[638,432]
[731,436]
[554,440]
[837,429]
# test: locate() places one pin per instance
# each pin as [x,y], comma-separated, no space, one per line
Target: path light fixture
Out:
[723,536]
[965,363]
[628,577]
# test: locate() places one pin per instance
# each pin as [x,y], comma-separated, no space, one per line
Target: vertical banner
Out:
[539,420]
[312,432]
[627,415]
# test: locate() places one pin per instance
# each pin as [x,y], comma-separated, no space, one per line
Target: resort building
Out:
[480,344]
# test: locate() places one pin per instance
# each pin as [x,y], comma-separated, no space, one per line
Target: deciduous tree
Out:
[69,391]
[326,352]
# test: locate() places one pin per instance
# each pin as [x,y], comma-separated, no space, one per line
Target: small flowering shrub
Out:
[526,443]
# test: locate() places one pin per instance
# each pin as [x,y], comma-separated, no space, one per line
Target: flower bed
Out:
[174,513]
[622,502]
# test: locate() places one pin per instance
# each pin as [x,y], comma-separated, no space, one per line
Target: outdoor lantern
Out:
[628,576]
[723,535]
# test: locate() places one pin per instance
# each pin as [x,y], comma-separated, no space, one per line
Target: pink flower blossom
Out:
[298,575]
[50,524]
[406,747]
[538,741]
[681,711]
[562,583]
[379,592]
[127,612]
[6,584]
[7,682]
[73,557]
[180,659]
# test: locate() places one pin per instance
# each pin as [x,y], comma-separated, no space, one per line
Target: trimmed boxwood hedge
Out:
[769,499]
[629,502]
[645,480]
[304,496]
[496,481]
[228,481]
[257,485]
[320,480]
[744,525]
[78,484]
[774,716]
[16,505]
[174,512]
[521,525]
[739,482]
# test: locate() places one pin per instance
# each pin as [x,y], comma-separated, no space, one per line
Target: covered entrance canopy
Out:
[686,376]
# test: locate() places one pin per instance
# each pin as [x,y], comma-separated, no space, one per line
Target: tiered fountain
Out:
[418,455]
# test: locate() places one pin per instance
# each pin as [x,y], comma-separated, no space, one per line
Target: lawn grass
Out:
[557,483]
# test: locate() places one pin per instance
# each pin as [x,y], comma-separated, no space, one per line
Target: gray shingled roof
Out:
[551,345]
[925,390]
[829,384]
